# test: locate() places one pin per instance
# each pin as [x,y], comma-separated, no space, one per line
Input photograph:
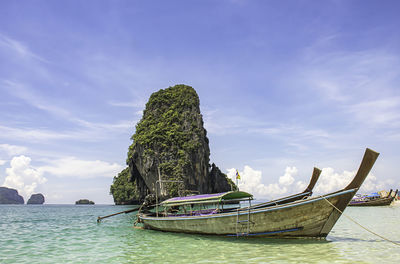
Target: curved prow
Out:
[367,162]
[314,179]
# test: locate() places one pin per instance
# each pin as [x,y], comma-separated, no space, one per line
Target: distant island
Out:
[37,198]
[10,196]
[84,201]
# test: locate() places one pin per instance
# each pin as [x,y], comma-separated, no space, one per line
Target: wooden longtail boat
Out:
[373,201]
[312,217]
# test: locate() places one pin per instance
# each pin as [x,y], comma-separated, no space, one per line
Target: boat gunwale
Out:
[205,202]
[254,211]
[277,201]
[285,198]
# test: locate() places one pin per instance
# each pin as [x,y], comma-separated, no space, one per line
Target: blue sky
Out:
[283,85]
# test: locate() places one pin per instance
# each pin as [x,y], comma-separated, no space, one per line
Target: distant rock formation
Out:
[36,199]
[84,201]
[171,144]
[10,196]
[219,181]
[123,190]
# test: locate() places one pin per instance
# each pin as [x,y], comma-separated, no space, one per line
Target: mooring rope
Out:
[354,221]
[137,215]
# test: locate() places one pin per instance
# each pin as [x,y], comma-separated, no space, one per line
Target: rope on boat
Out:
[354,221]
[137,216]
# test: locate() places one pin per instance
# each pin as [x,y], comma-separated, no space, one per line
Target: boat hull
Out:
[308,218]
[377,202]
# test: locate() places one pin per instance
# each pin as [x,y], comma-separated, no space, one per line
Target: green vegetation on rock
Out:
[161,128]
[123,189]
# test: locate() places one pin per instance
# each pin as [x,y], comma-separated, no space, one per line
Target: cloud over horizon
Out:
[329,181]
[251,181]
[83,169]
[23,176]
[12,150]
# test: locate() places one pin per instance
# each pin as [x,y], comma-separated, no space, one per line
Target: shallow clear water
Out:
[70,234]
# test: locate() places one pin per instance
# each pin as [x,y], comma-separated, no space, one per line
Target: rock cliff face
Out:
[171,144]
[219,181]
[10,196]
[36,199]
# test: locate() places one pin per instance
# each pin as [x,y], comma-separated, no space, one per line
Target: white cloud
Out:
[19,48]
[85,169]
[250,181]
[32,134]
[12,150]
[113,127]
[25,177]
[22,176]
[90,132]
[85,130]
[293,135]
[129,104]
[24,92]
[361,83]
[287,179]
[300,185]
[384,111]
[341,75]
[330,181]
[216,122]
[2,162]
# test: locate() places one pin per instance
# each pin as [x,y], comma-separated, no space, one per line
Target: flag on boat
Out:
[237,175]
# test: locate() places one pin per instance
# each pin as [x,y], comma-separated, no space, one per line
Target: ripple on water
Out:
[70,234]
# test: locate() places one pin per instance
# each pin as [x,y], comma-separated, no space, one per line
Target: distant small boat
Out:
[374,199]
[205,214]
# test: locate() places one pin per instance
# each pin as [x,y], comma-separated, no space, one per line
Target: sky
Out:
[283,85]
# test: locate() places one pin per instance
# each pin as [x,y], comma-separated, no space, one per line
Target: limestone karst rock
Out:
[10,196]
[171,144]
[37,198]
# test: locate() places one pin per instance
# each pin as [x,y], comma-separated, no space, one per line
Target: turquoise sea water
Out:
[70,234]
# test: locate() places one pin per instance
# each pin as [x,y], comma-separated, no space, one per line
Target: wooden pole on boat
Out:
[156,199]
[123,212]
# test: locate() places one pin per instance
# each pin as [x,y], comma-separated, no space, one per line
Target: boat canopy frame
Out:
[231,196]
